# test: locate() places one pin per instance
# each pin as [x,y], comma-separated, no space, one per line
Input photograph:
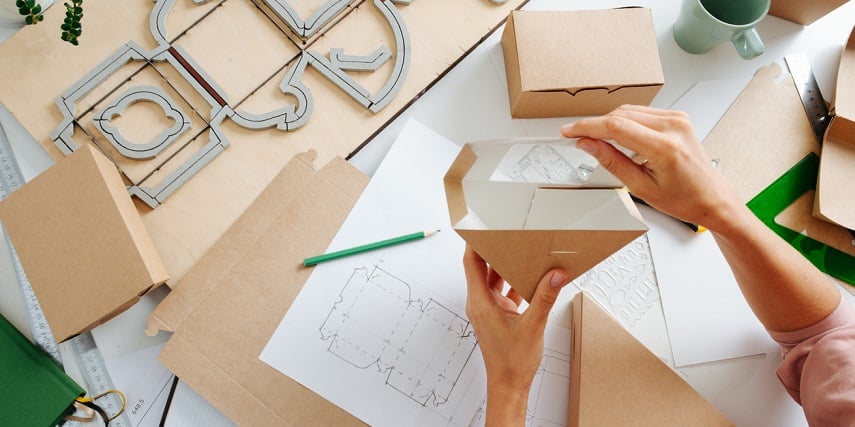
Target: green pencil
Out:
[368,247]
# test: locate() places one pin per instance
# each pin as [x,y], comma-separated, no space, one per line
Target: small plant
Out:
[71,27]
[30,10]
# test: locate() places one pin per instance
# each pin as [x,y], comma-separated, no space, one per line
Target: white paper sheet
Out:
[706,314]
[145,383]
[188,409]
[550,390]
[384,334]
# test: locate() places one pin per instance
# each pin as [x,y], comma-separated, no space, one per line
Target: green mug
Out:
[704,24]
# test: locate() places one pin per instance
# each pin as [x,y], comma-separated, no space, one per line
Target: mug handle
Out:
[748,43]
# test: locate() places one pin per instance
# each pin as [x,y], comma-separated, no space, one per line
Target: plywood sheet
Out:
[191,220]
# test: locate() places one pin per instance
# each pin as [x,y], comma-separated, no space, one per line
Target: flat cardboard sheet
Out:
[580,63]
[224,310]
[615,380]
[247,59]
[82,243]
[384,334]
[523,228]
[835,191]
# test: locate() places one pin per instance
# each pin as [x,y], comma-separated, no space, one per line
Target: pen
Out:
[694,227]
[368,247]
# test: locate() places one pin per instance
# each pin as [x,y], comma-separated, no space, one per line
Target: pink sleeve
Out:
[818,367]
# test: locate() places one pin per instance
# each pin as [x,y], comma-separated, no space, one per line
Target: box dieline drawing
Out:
[529,205]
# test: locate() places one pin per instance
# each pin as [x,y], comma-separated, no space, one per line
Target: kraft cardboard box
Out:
[803,12]
[81,242]
[616,380]
[528,205]
[226,308]
[835,192]
[580,63]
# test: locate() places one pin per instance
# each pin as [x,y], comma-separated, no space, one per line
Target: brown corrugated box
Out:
[523,229]
[803,12]
[835,188]
[227,307]
[81,242]
[616,381]
[580,63]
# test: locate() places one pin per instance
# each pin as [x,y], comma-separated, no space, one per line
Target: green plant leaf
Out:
[28,20]
[37,9]
[31,3]
[20,3]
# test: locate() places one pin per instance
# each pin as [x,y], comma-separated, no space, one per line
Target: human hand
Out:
[677,177]
[511,343]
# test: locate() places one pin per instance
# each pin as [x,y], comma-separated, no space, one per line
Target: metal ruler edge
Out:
[811,96]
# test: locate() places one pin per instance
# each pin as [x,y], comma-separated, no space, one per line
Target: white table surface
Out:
[470,103]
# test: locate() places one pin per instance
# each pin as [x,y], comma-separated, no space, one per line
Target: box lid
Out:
[573,50]
[81,242]
[616,380]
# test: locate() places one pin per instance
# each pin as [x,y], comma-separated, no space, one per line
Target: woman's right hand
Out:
[671,171]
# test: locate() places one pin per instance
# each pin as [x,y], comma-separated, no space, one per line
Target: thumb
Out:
[545,294]
[614,161]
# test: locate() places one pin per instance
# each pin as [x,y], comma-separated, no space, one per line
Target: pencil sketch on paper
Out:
[549,394]
[547,164]
[416,344]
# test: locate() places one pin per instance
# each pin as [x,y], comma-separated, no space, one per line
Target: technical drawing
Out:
[549,395]
[419,346]
[550,391]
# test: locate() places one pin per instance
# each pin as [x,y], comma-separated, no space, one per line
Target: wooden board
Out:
[246,54]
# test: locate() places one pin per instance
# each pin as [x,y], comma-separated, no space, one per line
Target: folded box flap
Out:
[844,96]
[522,257]
[611,370]
[837,167]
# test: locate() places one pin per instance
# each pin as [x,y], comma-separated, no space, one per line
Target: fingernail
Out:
[566,128]
[558,279]
[586,146]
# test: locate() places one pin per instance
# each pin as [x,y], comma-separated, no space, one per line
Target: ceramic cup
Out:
[704,24]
